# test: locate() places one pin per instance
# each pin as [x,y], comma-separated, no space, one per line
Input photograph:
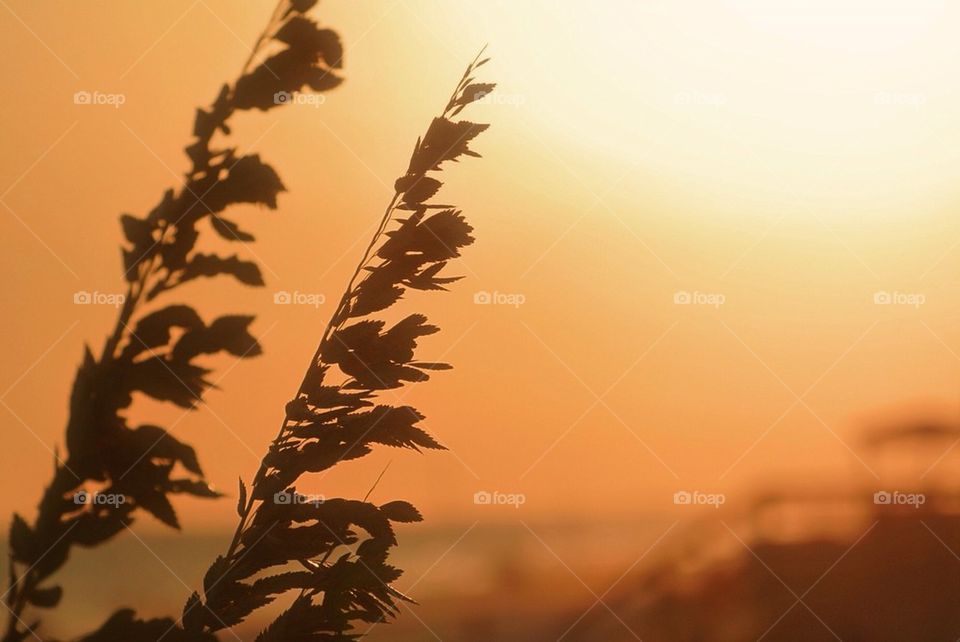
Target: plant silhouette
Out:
[334,553]
[156,352]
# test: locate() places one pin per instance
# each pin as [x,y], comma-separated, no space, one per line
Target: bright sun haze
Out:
[765,151]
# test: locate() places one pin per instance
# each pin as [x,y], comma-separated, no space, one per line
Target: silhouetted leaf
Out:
[178,382]
[137,231]
[215,573]
[391,426]
[375,360]
[438,237]
[227,333]
[380,289]
[400,511]
[241,497]
[229,230]
[156,442]
[290,620]
[46,597]
[445,233]
[471,93]
[208,265]
[153,330]
[157,504]
[427,279]
[321,80]
[21,540]
[193,613]
[427,365]
[401,340]
[303,33]
[445,140]
[195,487]
[299,6]
[417,189]
[475,91]
[248,180]
[85,417]
[287,71]
[335,397]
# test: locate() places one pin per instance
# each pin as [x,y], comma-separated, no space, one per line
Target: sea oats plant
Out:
[154,351]
[333,554]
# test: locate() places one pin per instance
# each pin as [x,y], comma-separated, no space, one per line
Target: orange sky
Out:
[796,161]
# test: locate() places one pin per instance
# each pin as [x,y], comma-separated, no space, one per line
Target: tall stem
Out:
[337,319]
[332,325]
